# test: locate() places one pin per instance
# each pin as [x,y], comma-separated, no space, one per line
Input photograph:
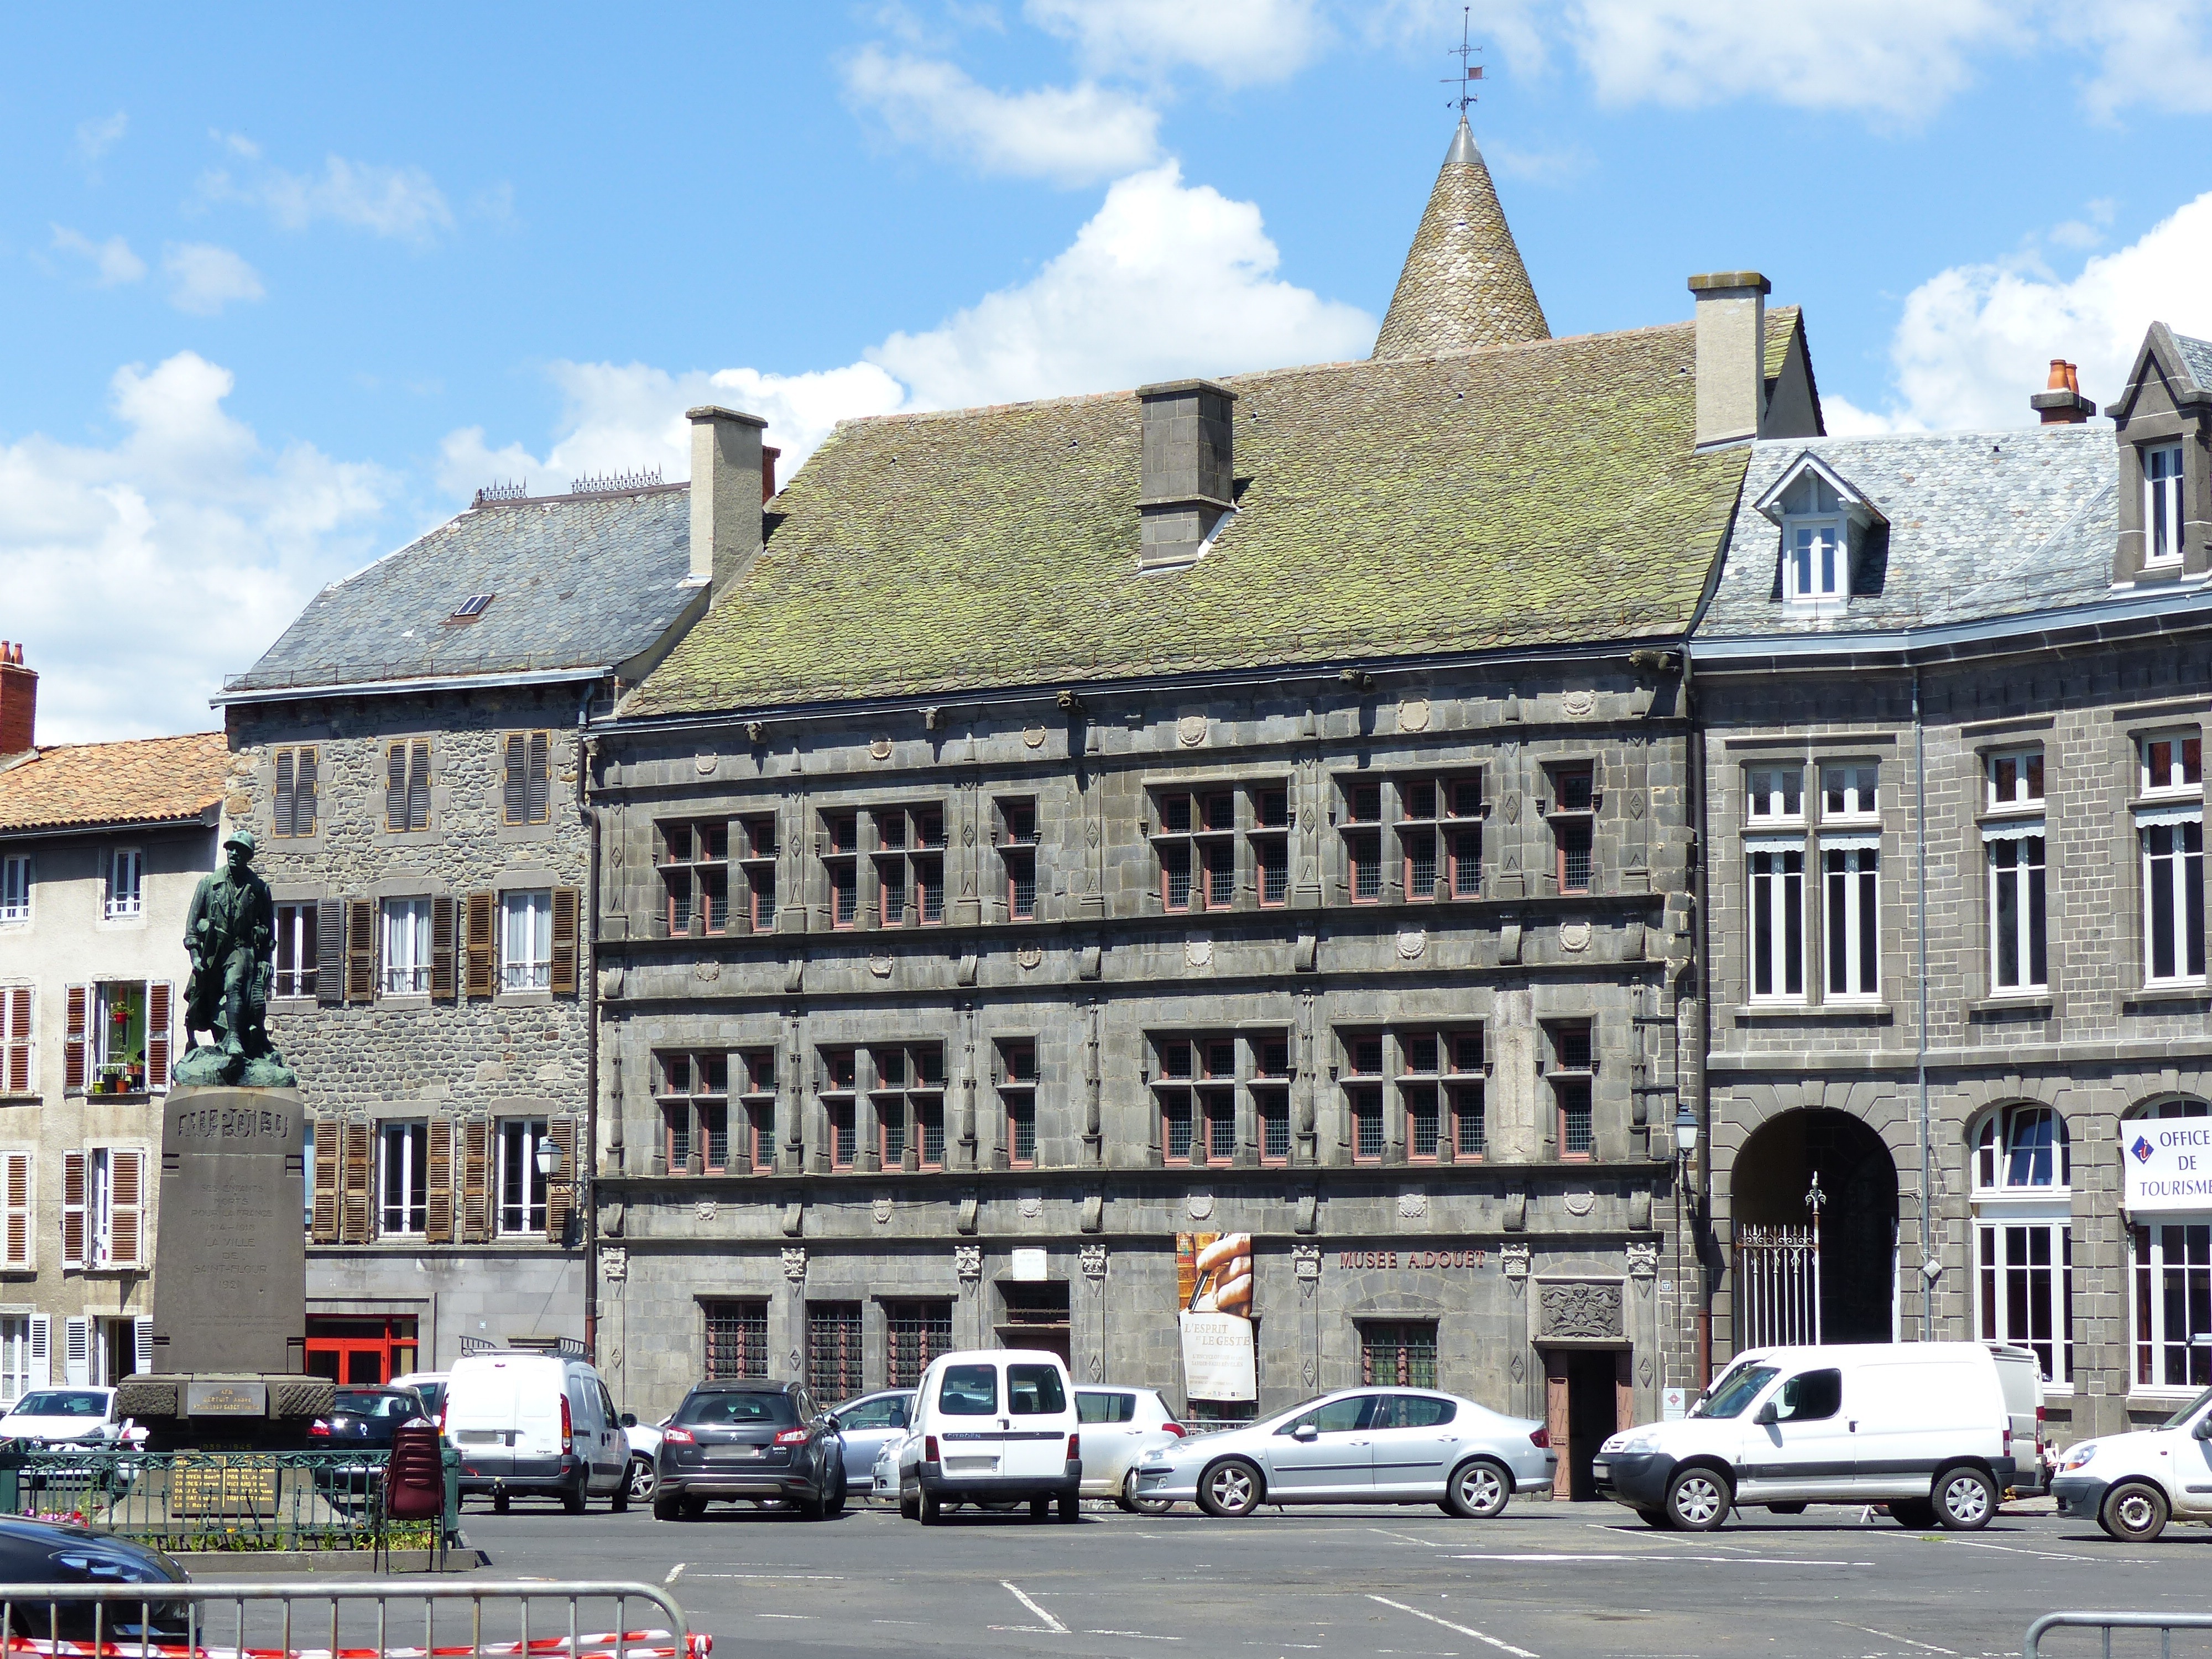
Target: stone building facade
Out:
[407,753]
[101,847]
[1953,796]
[1080,824]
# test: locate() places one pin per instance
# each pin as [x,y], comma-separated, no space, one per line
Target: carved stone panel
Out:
[1585,1312]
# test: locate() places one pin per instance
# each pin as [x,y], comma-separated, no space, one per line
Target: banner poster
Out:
[1213,1300]
[2168,1162]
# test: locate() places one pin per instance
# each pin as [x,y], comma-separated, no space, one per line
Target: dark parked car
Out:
[360,1419]
[41,1553]
[761,1441]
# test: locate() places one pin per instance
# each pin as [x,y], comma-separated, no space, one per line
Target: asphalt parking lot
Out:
[1544,1581]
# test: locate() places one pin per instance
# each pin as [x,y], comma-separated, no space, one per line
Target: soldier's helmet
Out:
[240,838]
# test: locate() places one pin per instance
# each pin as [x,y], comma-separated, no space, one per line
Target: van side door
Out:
[1808,1452]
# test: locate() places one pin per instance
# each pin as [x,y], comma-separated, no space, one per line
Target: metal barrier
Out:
[2164,1623]
[197,1500]
[284,1619]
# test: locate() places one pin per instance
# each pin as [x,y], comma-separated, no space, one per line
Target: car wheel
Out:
[1480,1489]
[931,1510]
[834,1505]
[694,1508]
[1040,1508]
[1071,1506]
[1698,1500]
[1965,1499]
[667,1506]
[572,1502]
[1785,1509]
[1136,1506]
[643,1477]
[2134,1512]
[499,1503]
[618,1500]
[812,1509]
[1231,1488]
[1917,1514]
[910,1508]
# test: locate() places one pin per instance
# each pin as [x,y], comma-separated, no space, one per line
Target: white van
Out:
[2132,1484]
[993,1425]
[537,1424]
[1921,1426]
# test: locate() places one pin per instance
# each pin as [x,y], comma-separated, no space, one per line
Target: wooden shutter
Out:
[76,1352]
[159,999]
[324,1225]
[515,804]
[437,1227]
[15,1029]
[476,1182]
[561,1187]
[126,1198]
[566,903]
[42,1351]
[442,948]
[418,784]
[303,794]
[359,950]
[354,1172]
[15,1191]
[330,953]
[479,980]
[72,1209]
[541,778]
[73,1045]
[280,817]
[395,786]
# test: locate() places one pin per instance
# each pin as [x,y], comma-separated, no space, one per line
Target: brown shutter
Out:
[73,1041]
[16,1080]
[280,817]
[438,1229]
[17,1185]
[353,1185]
[566,901]
[158,999]
[327,1155]
[516,804]
[72,1209]
[303,794]
[395,786]
[359,950]
[442,948]
[541,779]
[476,1182]
[561,1189]
[330,952]
[479,980]
[418,785]
[126,1189]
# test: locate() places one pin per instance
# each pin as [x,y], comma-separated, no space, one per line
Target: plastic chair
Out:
[414,1488]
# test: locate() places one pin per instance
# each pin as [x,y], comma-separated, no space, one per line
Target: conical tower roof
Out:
[1463,284]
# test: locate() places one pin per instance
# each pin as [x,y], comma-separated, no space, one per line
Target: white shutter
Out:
[41,1373]
[76,1363]
[15,1193]
[142,1330]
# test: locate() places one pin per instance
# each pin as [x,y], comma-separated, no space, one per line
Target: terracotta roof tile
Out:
[147,780]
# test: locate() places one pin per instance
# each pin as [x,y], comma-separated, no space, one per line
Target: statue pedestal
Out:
[240,1412]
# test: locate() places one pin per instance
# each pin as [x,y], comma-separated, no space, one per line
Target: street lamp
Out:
[1685,1135]
[549,1158]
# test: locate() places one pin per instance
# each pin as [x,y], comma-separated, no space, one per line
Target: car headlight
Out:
[2078,1455]
[1630,1443]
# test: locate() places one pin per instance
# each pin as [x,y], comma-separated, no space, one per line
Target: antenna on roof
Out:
[1468,73]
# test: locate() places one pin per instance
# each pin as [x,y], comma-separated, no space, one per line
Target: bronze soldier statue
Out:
[230,934]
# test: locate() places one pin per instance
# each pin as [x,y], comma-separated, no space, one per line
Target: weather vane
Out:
[1468,73]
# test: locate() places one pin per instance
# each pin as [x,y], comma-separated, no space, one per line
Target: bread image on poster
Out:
[1213,1298]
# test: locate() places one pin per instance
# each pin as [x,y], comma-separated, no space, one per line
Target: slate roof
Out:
[581,581]
[1981,524]
[2197,356]
[1463,283]
[1520,495]
[147,781]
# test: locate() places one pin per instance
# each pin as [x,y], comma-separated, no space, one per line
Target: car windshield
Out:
[400,1405]
[432,1395]
[61,1403]
[1735,1391]
[969,1391]
[2187,1415]
[735,1410]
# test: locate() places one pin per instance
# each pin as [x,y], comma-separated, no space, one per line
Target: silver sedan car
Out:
[1373,1445]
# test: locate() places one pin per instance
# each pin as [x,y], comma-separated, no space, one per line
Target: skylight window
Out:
[471,608]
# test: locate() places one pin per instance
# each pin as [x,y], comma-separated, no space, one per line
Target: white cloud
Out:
[95,138]
[1975,341]
[113,261]
[1070,135]
[401,203]
[142,572]
[2147,52]
[205,278]
[1237,42]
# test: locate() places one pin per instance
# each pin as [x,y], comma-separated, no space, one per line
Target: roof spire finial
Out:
[1468,73]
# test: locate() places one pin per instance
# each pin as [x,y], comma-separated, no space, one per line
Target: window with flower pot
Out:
[116,1036]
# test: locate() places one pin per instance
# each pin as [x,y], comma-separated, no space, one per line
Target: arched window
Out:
[2173,1272]
[2024,1235]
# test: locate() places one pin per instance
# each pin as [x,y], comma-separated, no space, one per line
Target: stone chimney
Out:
[1731,355]
[770,456]
[2063,404]
[1188,468]
[727,480]
[19,702]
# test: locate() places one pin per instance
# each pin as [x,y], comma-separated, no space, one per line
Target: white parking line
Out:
[2012,1549]
[1133,1635]
[1666,1556]
[788,1577]
[674,1573]
[1400,1536]
[1052,1622]
[1927,1646]
[1464,1630]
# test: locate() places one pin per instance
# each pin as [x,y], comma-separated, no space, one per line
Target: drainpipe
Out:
[1920,1059]
[588,966]
[1699,967]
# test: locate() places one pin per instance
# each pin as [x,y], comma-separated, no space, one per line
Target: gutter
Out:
[2035,630]
[108,827]
[587,1153]
[245,694]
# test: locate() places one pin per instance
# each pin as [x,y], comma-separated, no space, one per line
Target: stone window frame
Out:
[910,1096]
[2149,801]
[1014,1092]
[131,914]
[1248,1079]
[438,804]
[2158,1106]
[412,1197]
[859,858]
[911,852]
[284,825]
[2017,817]
[1570,1065]
[17,884]
[1014,834]
[1558,772]
[2002,1212]
[1392,846]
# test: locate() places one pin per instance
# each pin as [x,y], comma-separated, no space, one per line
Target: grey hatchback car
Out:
[763,1441]
[1359,1446]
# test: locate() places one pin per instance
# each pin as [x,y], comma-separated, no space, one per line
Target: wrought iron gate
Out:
[1777,1285]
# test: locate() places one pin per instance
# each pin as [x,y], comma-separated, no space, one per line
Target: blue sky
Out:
[283,286]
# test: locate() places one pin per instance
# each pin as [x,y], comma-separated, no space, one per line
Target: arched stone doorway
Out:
[1768,1186]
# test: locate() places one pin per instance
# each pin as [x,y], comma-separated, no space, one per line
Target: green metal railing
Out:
[203,1500]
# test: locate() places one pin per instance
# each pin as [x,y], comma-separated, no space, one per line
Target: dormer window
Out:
[1814,569]
[1823,523]
[2162,504]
